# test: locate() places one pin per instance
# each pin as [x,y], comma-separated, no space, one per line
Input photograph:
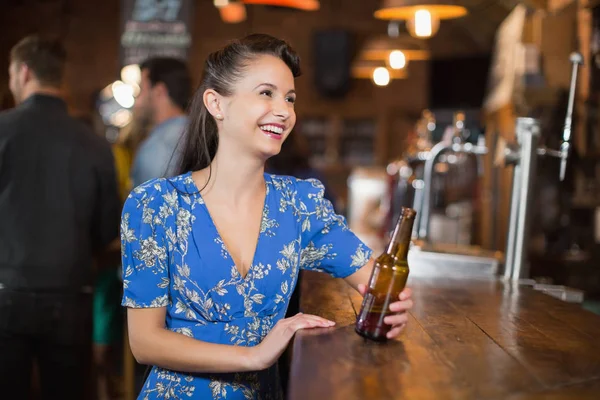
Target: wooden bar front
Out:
[465,340]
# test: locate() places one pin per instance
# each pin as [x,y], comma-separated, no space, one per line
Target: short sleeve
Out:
[328,245]
[144,249]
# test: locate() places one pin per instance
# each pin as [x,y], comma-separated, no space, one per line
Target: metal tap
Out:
[422,223]
[524,158]
[577,60]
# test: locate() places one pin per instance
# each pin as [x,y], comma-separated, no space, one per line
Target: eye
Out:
[266,92]
[291,99]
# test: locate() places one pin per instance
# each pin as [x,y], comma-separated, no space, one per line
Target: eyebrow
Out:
[270,85]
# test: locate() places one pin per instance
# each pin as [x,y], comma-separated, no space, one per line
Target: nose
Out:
[281,109]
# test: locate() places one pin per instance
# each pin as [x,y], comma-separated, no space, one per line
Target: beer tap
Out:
[524,158]
[577,60]
[457,145]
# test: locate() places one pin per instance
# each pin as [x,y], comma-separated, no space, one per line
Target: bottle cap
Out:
[406,212]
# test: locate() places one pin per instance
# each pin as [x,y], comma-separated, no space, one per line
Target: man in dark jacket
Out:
[59,208]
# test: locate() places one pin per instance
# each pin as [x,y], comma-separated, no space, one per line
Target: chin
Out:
[267,152]
[271,152]
[270,147]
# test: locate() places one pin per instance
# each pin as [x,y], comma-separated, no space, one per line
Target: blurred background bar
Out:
[401,103]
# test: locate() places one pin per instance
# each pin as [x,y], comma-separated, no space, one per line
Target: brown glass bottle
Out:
[387,280]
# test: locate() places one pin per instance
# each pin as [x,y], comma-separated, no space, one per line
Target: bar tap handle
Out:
[577,60]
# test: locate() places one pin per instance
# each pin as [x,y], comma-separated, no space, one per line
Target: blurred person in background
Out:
[59,209]
[165,89]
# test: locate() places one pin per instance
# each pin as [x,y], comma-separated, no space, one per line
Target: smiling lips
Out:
[274,131]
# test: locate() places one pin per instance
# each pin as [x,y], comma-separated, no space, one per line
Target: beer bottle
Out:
[387,280]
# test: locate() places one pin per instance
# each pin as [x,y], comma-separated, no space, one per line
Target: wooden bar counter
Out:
[476,339]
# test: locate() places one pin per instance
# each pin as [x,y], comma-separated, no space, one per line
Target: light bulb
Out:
[220,3]
[131,74]
[381,76]
[121,118]
[423,24]
[123,94]
[397,59]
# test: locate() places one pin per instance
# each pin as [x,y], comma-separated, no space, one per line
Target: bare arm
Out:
[361,277]
[151,343]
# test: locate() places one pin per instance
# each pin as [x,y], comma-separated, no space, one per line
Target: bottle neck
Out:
[400,241]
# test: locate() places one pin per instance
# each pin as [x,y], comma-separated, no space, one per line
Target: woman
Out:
[211,256]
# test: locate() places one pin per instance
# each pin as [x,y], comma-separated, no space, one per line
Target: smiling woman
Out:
[271,59]
[211,257]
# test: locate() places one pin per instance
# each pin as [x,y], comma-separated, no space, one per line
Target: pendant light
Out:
[306,5]
[377,71]
[395,52]
[422,16]
[232,12]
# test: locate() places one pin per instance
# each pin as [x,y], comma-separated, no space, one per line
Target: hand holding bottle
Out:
[399,311]
[385,300]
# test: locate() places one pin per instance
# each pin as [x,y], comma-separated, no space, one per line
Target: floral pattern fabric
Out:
[174,257]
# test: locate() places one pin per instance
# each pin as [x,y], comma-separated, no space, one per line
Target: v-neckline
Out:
[218,234]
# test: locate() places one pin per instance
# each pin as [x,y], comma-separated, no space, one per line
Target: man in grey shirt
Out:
[165,90]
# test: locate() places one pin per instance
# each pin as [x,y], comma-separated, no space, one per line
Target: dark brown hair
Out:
[174,74]
[221,70]
[45,57]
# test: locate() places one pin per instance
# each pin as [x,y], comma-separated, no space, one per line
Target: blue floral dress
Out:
[173,257]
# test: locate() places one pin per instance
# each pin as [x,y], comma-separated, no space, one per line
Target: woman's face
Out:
[259,115]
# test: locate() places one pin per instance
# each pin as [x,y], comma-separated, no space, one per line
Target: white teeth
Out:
[272,128]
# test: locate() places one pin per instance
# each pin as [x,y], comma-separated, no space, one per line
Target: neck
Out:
[31,90]
[166,112]
[400,240]
[236,175]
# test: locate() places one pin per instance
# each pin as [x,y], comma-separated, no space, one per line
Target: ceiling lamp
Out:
[387,49]
[306,5]
[397,59]
[381,76]
[422,16]
[376,71]
[232,12]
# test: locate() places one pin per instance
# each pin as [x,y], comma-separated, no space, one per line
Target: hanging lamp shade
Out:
[405,9]
[233,13]
[379,48]
[363,69]
[306,5]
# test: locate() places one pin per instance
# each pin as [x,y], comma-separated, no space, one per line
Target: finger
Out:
[319,320]
[396,319]
[395,331]
[405,294]
[400,306]
[308,324]
[306,321]
[301,319]
[362,289]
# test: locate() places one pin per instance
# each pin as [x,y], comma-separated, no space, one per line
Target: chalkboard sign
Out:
[151,28]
